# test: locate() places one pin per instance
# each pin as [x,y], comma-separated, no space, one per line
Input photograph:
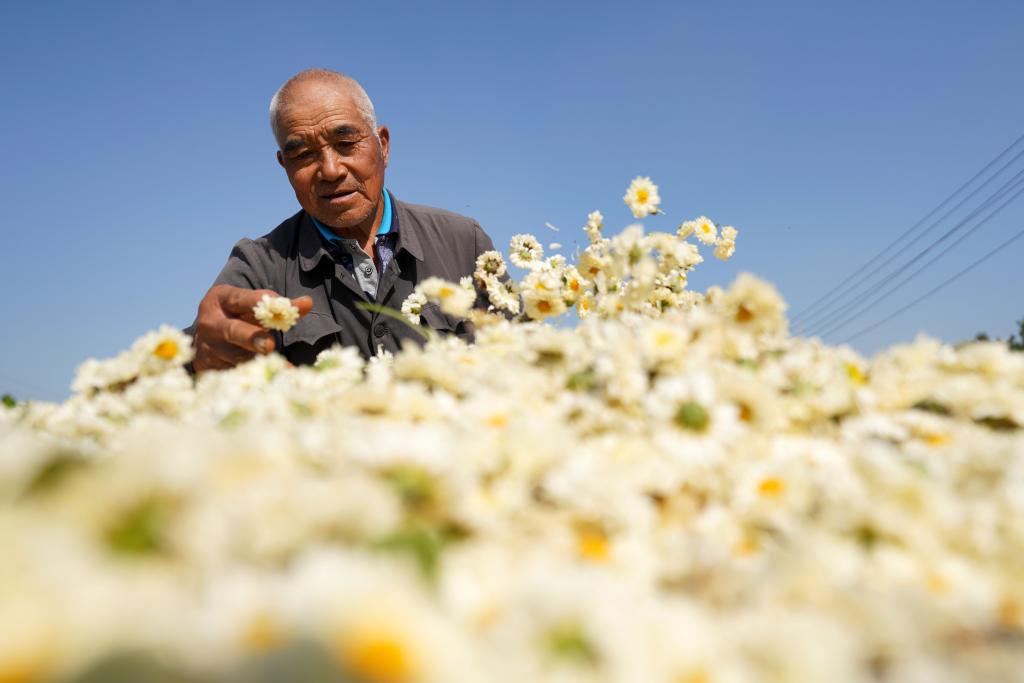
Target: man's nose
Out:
[331,166]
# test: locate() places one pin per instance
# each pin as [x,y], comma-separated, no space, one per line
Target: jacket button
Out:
[380,330]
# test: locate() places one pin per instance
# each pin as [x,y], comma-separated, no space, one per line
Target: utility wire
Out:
[1010,186]
[914,227]
[831,308]
[935,289]
[866,306]
[835,304]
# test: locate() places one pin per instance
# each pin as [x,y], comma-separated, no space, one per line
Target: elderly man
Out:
[352,243]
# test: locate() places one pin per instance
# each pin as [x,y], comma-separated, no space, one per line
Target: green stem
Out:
[422,330]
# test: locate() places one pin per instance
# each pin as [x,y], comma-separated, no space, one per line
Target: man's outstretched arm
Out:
[226,331]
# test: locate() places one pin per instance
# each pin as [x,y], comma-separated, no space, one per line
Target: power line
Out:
[937,287]
[866,306]
[834,306]
[1013,183]
[906,233]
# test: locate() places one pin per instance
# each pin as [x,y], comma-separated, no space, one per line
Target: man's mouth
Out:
[340,194]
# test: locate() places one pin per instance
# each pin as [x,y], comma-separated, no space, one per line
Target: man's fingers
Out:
[206,359]
[230,354]
[304,304]
[238,303]
[248,336]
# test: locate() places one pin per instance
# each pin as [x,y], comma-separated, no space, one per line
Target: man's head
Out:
[331,147]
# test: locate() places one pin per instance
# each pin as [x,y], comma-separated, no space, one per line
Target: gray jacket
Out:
[293,261]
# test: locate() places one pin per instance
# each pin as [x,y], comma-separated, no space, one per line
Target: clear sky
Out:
[137,148]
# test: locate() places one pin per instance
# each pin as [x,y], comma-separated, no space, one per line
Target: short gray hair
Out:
[362,100]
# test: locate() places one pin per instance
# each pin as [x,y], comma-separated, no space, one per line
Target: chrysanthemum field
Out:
[674,489]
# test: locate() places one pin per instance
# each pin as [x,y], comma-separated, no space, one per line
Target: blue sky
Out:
[138,150]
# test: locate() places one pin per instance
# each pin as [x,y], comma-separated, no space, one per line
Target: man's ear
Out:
[280,158]
[385,143]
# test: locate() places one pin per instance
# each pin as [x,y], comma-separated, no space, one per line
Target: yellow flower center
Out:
[937,584]
[743,314]
[642,195]
[593,547]
[445,292]
[855,374]
[378,658]
[544,306]
[166,350]
[747,546]
[771,487]
[694,677]
[262,633]
[1009,613]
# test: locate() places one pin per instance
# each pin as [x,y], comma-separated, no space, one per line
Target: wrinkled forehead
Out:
[318,110]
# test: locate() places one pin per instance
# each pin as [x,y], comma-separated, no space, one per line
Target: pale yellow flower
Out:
[705,230]
[276,313]
[642,197]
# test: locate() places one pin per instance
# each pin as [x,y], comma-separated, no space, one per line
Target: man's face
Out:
[334,161]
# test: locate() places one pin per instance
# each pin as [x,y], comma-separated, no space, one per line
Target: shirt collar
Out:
[404,226]
[385,222]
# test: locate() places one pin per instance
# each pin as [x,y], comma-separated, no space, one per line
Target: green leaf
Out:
[233,420]
[142,530]
[421,330]
[8,401]
[413,485]
[133,667]
[998,424]
[56,470]
[691,415]
[929,405]
[423,544]
[568,641]
[584,380]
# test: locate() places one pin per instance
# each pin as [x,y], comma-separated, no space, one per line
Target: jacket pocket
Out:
[310,329]
[436,319]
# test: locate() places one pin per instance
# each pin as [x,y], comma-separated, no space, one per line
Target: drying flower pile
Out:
[673,490]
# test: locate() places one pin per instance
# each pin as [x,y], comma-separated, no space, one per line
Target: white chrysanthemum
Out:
[454,299]
[542,294]
[276,313]
[412,307]
[754,304]
[489,263]
[573,284]
[728,233]
[165,348]
[503,295]
[724,249]
[705,230]
[686,228]
[642,197]
[593,228]
[525,251]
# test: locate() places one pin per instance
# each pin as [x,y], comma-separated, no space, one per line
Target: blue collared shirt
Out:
[357,261]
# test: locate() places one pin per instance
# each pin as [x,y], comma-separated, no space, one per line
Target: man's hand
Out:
[226,329]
